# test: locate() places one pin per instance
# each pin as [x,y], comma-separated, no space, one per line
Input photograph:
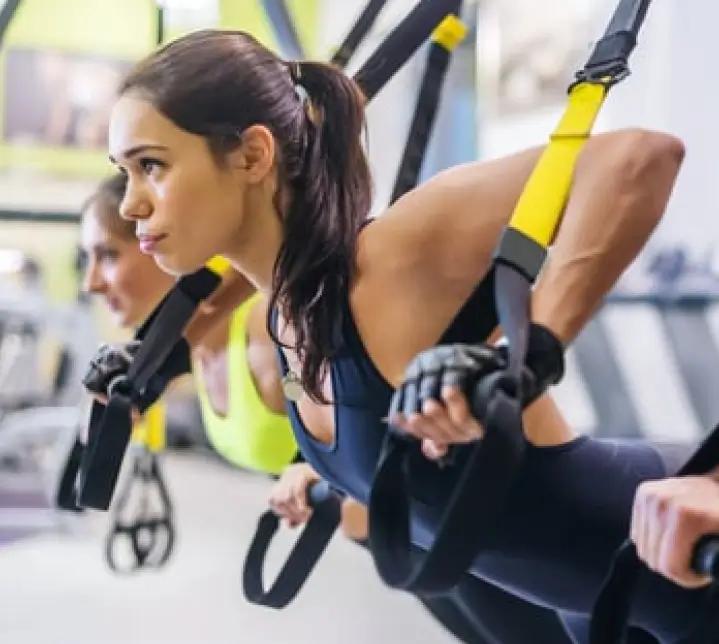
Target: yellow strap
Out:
[450,32]
[151,430]
[540,206]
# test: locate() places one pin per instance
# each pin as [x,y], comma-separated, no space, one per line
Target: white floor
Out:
[55,589]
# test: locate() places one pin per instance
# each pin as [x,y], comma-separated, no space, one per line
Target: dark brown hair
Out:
[107,198]
[217,83]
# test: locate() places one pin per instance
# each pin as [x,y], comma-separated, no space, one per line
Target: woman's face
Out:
[130,282]
[187,207]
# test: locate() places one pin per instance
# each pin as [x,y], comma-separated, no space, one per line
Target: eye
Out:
[150,166]
[81,260]
[108,255]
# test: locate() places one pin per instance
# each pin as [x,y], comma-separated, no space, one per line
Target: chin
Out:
[121,319]
[173,265]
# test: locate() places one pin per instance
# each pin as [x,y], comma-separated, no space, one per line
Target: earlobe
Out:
[258,151]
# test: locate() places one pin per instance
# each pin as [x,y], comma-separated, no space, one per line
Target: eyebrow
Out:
[138,149]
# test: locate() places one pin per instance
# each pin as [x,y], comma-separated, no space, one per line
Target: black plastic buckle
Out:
[609,62]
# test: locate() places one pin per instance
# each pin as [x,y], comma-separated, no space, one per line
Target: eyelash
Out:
[148,165]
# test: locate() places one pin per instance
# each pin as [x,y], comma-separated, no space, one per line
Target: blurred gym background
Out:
[648,366]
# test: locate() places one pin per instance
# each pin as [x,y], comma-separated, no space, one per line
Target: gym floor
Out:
[56,589]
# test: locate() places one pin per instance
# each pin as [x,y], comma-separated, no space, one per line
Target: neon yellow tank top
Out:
[250,435]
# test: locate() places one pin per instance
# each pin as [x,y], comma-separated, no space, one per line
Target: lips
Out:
[113,304]
[148,243]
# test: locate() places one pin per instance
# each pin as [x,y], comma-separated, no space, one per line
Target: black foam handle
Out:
[705,560]
[318,493]
[305,554]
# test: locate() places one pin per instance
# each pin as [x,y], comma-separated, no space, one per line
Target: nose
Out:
[93,281]
[135,205]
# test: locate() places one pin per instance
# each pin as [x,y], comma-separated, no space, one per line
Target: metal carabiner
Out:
[149,537]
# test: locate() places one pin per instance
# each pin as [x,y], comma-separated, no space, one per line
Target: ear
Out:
[255,154]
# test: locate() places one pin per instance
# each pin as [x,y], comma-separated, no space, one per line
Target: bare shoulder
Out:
[457,215]
[418,262]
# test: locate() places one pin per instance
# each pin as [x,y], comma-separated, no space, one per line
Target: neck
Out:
[255,252]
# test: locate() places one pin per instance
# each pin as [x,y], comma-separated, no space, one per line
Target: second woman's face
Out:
[115,268]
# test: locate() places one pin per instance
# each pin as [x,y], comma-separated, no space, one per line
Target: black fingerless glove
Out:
[110,361]
[114,360]
[448,365]
[544,363]
[467,366]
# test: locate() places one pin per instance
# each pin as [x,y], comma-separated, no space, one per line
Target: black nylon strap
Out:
[462,534]
[108,437]
[7,13]
[467,524]
[312,542]
[284,27]
[111,425]
[66,494]
[358,32]
[424,116]
[401,45]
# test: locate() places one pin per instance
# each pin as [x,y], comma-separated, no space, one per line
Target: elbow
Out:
[650,153]
[647,164]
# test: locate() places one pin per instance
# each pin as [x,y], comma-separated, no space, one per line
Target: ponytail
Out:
[331,197]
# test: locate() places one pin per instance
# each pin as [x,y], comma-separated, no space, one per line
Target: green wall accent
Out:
[122,30]
[249,16]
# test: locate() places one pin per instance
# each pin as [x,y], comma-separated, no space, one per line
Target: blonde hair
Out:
[107,198]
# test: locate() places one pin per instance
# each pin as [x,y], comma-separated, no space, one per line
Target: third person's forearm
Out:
[621,187]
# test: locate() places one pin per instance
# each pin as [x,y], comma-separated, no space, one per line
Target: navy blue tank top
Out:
[569,512]
[362,397]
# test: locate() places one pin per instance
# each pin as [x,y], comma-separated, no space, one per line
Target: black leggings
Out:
[477,612]
[571,509]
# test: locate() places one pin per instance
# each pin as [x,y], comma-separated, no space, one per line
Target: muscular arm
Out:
[436,244]
[619,195]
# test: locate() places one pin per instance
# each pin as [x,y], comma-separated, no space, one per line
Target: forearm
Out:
[355,520]
[234,290]
[621,188]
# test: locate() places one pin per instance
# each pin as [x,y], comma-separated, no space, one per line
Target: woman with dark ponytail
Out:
[231,151]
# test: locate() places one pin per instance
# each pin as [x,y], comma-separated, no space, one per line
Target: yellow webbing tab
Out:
[450,32]
[540,206]
[218,264]
[151,430]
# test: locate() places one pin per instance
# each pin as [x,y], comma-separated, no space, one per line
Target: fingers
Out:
[288,498]
[668,519]
[459,412]
[431,406]
[101,398]
[109,362]
[433,450]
